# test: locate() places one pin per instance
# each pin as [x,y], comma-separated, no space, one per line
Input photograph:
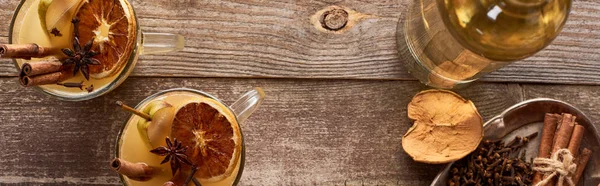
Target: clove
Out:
[72,85]
[494,163]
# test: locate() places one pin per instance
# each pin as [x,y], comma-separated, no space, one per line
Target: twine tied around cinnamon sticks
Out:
[561,164]
[562,132]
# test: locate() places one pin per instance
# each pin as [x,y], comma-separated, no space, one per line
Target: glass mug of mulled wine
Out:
[183,136]
[455,42]
[79,49]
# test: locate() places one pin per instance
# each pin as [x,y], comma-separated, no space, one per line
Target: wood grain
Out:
[275,39]
[318,129]
[326,132]
[586,98]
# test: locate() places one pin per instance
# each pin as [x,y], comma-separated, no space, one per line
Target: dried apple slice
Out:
[447,127]
[212,136]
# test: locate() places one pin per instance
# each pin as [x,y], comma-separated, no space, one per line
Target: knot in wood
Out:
[335,19]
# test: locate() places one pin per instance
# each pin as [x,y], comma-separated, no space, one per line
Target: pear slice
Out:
[42,9]
[154,132]
[57,13]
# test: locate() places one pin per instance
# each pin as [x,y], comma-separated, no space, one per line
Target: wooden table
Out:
[335,110]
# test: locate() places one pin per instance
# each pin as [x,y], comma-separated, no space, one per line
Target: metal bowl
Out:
[527,117]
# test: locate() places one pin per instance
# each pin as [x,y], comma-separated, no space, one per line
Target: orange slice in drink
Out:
[212,136]
[112,26]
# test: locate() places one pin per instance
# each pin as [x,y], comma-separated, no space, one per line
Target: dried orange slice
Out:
[212,136]
[112,26]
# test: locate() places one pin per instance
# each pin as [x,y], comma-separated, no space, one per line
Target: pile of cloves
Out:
[494,163]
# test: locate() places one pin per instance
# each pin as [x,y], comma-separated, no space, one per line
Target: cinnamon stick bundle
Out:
[46,79]
[560,132]
[24,51]
[134,171]
[563,136]
[550,124]
[43,73]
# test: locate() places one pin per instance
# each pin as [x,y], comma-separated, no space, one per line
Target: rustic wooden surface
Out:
[275,39]
[335,110]
[307,132]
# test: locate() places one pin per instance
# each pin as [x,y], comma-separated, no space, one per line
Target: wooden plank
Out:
[327,132]
[275,39]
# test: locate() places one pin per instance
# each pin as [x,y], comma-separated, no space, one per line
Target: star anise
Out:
[174,152]
[81,57]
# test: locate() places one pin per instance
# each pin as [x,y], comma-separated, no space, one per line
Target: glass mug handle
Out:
[156,43]
[247,104]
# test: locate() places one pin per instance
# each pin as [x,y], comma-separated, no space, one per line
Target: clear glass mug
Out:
[455,42]
[147,43]
[241,109]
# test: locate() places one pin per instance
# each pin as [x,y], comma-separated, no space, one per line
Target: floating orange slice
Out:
[212,136]
[112,26]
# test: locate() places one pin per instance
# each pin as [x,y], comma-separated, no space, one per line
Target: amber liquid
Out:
[504,30]
[132,148]
[29,30]
[454,42]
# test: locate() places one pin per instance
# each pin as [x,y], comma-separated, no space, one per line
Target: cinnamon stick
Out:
[563,136]
[574,144]
[46,79]
[581,163]
[41,67]
[134,171]
[24,51]
[564,132]
[550,123]
[575,141]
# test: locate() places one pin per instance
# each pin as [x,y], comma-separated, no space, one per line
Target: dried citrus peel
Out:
[447,127]
[212,135]
[112,26]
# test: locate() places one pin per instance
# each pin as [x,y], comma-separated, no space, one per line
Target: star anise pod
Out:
[81,57]
[174,152]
